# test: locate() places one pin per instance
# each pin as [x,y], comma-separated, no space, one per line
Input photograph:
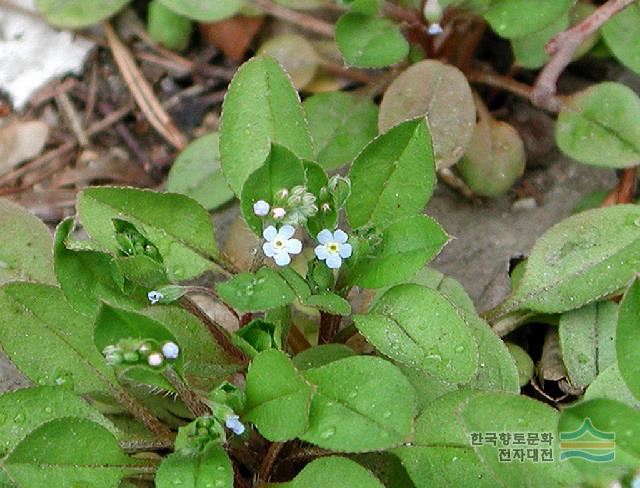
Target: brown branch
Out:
[563,46]
[305,21]
[270,458]
[625,191]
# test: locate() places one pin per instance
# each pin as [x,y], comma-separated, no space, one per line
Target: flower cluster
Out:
[293,207]
[134,351]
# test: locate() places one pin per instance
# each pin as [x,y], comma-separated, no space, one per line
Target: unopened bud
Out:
[278,213]
[155,359]
[261,208]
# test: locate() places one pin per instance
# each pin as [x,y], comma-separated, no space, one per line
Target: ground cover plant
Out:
[351,362]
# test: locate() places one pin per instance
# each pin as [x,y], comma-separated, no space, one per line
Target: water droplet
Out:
[48,409]
[330,431]
[19,418]
[64,378]
[386,414]
[459,348]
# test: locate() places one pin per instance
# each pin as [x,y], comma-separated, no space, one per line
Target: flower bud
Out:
[170,350]
[155,359]
[278,213]
[261,208]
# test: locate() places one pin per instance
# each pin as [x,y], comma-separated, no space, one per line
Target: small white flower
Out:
[154,296]
[278,213]
[261,208]
[155,359]
[333,248]
[170,350]
[233,423]
[435,29]
[280,244]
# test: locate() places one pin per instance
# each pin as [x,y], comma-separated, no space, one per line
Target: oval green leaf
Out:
[627,338]
[73,14]
[204,10]
[336,472]
[518,18]
[622,35]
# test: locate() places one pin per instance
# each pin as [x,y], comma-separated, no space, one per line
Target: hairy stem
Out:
[305,21]
[140,412]
[190,398]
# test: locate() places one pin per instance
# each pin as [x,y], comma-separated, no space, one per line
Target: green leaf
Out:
[361,403]
[579,260]
[176,225]
[608,417]
[329,302]
[142,270]
[25,253]
[209,468]
[494,159]
[26,409]
[497,369]
[196,173]
[627,338]
[429,89]
[529,50]
[518,18]
[524,363]
[393,177]
[281,170]
[296,55]
[449,287]
[89,277]
[318,184]
[317,356]
[406,246]
[167,28]
[600,126]
[248,292]
[262,94]
[341,124]
[396,327]
[587,339]
[68,453]
[609,384]
[274,386]
[74,14]
[50,342]
[334,472]
[206,364]
[204,10]
[622,35]
[370,42]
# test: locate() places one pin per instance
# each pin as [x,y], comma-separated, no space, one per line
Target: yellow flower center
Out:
[278,244]
[333,247]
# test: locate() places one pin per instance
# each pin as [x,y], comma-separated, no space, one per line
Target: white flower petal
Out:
[340,236]
[282,258]
[325,236]
[286,231]
[345,251]
[270,233]
[321,252]
[293,246]
[267,248]
[334,261]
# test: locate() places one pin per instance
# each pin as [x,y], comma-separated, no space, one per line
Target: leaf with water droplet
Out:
[343,422]
[179,227]
[627,334]
[274,387]
[68,451]
[518,18]
[600,126]
[334,472]
[209,469]
[393,177]
[25,253]
[441,94]
[586,257]
[612,421]
[31,407]
[369,41]
[271,293]
[262,90]
[418,327]
[587,339]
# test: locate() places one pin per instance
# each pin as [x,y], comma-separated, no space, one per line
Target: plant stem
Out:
[217,331]
[329,325]
[563,46]
[625,190]
[268,461]
[212,293]
[190,398]
[140,412]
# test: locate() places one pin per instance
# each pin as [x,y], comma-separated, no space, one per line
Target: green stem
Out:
[190,398]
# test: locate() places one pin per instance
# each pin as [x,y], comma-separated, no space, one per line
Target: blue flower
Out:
[280,244]
[333,247]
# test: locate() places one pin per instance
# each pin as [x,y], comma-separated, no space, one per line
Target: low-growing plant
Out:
[351,364]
